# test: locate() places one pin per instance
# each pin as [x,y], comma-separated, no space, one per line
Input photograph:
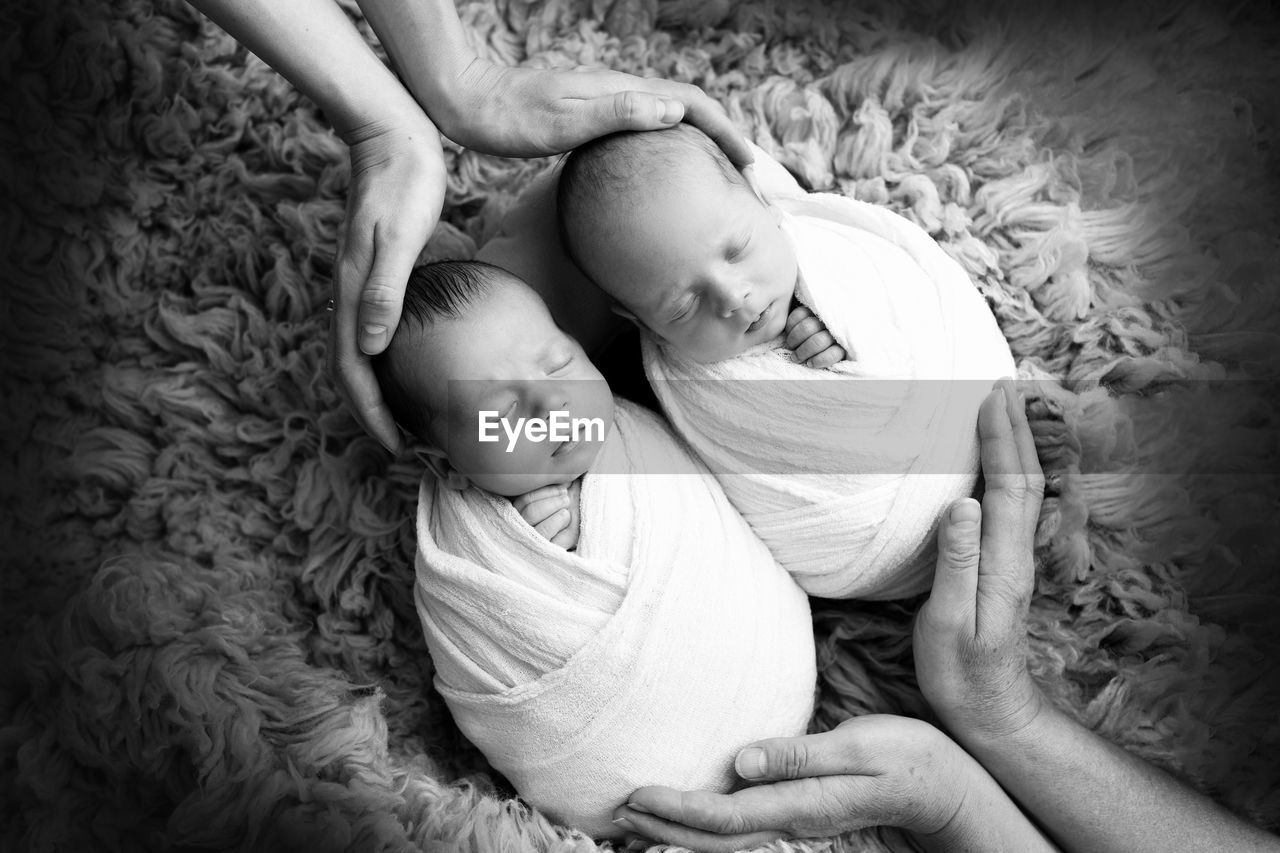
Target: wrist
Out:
[428,50]
[942,813]
[1000,728]
[367,124]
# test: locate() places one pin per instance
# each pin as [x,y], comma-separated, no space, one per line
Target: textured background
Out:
[209,632]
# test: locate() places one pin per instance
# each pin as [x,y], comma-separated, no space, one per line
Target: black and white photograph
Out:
[573,426]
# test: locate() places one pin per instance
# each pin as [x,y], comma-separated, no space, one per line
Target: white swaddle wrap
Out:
[844,473]
[670,638]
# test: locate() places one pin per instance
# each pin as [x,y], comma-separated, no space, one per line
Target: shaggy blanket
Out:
[207,613]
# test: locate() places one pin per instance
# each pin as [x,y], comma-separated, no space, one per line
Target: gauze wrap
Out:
[670,639]
[844,473]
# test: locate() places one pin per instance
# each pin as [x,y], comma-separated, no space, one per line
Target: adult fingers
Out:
[813,806]
[702,840]
[629,110]
[354,373]
[691,103]
[1006,573]
[955,578]
[382,297]
[840,751]
[704,113]
[1009,491]
[1028,457]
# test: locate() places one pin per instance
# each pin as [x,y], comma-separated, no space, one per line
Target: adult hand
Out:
[970,636]
[877,770]
[393,204]
[529,112]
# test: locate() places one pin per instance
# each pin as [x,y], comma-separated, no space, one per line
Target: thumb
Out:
[841,751]
[955,580]
[632,110]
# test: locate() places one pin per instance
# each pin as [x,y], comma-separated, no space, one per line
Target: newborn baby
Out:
[844,480]
[642,656]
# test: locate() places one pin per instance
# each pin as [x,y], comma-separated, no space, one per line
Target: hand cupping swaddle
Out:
[670,638]
[845,473]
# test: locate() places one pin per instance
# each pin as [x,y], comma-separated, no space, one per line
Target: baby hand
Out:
[810,340]
[551,512]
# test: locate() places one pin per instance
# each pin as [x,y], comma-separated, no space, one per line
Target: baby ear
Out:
[749,175]
[625,313]
[437,462]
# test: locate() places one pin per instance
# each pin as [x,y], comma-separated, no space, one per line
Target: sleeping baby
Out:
[844,480]
[639,656]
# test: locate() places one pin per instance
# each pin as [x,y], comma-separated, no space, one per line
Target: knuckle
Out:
[379,297]
[962,554]
[627,106]
[791,758]
[698,810]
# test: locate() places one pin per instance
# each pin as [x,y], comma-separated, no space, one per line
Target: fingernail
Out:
[372,336]
[966,510]
[672,111]
[636,807]
[623,823]
[751,763]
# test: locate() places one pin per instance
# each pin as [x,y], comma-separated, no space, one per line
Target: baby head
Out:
[473,339]
[664,224]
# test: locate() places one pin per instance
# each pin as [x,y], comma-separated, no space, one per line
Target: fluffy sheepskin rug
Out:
[207,614]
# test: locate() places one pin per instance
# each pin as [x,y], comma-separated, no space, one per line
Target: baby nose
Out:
[732,296]
[552,397]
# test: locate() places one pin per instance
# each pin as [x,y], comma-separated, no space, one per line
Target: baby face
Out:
[506,355]
[702,264]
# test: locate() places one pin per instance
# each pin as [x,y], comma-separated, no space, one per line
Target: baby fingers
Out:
[818,343]
[798,315]
[553,524]
[829,357]
[543,509]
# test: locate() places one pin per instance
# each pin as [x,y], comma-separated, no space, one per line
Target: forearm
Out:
[986,821]
[427,47]
[1091,795]
[313,45]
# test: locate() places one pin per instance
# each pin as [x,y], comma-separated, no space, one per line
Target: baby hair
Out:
[601,173]
[440,290]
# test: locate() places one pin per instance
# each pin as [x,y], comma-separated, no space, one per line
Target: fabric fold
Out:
[670,638]
[844,473]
